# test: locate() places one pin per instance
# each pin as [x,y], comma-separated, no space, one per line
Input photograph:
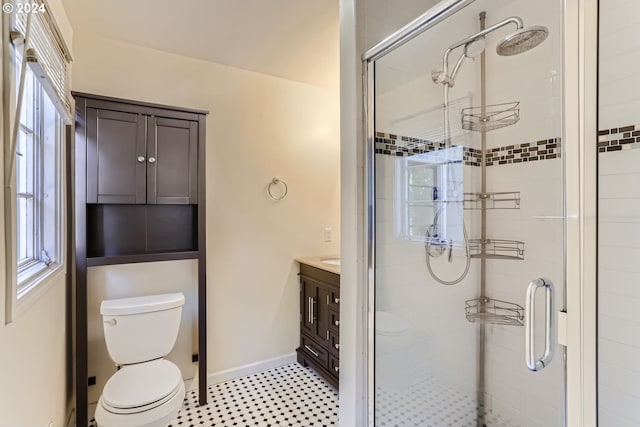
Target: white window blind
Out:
[46,54]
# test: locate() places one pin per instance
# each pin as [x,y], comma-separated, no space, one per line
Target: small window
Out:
[38,187]
[430,186]
[37,100]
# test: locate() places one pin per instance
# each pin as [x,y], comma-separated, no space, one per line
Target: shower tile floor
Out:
[430,403]
[290,395]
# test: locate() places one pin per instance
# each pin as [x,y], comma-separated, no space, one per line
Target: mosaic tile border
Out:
[544,149]
[404,146]
[616,139]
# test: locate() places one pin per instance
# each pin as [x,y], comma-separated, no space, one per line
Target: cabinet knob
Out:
[337,346]
[336,368]
[152,160]
[336,300]
[141,159]
[337,323]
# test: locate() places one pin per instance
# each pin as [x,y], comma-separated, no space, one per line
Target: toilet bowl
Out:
[392,332]
[147,390]
[393,344]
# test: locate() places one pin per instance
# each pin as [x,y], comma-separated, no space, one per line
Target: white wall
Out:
[258,127]
[33,348]
[618,210]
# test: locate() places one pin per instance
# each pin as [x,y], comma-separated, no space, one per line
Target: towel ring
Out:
[276,181]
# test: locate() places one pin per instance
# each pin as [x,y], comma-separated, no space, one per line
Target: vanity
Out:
[320,316]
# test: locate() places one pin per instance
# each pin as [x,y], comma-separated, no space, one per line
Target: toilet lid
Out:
[390,324]
[141,384]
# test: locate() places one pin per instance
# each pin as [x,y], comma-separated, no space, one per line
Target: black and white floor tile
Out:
[430,403]
[286,396]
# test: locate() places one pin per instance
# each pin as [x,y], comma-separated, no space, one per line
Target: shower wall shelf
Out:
[494,117]
[496,249]
[488,310]
[497,200]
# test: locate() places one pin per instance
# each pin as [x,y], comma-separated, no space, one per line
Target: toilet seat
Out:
[390,324]
[158,416]
[141,387]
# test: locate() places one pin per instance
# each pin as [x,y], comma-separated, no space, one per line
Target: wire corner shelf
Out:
[496,249]
[495,200]
[494,311]
[493,117]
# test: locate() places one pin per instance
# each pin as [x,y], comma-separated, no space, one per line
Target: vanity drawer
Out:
[334,343]
[334,365]
[334,320]
[319,354]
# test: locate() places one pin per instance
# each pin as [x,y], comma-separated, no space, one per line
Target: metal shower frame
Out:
[578,328]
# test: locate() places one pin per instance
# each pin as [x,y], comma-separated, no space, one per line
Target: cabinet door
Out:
[308,303]
[172,166]
[322,308]
[116,153]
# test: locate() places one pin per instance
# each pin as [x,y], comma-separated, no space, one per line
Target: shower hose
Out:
[427,247]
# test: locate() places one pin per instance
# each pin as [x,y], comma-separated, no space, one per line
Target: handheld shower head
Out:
[522,40]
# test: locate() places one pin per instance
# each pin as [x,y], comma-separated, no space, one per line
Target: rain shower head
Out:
[522,40]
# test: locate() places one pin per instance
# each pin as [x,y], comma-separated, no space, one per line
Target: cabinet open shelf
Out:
[135,258]
[496,249]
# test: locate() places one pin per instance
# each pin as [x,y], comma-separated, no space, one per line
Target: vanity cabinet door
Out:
[314,310]
[322,333]
[116,157]
[308,301]
[172,161]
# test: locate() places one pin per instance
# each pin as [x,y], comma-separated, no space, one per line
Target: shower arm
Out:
[445,59]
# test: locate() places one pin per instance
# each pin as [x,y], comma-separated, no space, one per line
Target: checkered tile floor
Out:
[286,396]
[430,403]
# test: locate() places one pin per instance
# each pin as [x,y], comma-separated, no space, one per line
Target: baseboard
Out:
[251,368]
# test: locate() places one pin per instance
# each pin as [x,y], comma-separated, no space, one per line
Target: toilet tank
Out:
[141,328]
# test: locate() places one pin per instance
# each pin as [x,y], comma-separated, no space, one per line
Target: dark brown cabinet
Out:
[140,159]
[138,196]
[320,321]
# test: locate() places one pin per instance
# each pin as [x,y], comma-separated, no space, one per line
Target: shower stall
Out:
[468,199]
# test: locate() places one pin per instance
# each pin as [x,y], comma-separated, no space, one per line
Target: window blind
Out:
[46,54]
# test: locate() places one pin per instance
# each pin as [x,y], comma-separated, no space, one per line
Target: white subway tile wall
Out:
[619,215]
[618,290]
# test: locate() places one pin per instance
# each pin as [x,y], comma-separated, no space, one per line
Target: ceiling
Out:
[293,39]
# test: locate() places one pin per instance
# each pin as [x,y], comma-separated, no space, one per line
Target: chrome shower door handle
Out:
[530,328]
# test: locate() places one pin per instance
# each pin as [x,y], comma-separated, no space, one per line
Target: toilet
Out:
[147,390]
[393,345]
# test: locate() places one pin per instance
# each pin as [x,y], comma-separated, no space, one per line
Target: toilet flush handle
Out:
[112,322]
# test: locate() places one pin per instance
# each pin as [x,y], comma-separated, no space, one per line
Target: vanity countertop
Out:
[316,261]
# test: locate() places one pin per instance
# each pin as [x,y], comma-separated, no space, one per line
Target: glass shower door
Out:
[468,242]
